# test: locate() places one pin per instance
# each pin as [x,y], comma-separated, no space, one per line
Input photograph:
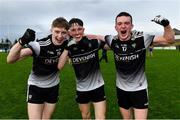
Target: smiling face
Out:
[59,30]
[123,27]
[58,35]
[76,31]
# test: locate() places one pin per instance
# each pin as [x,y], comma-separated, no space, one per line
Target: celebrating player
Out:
[43,81]
[84,57]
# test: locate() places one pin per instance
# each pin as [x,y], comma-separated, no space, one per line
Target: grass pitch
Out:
[162,70]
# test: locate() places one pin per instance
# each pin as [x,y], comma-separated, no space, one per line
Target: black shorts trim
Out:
[39,95]
[135,99]
[96,95]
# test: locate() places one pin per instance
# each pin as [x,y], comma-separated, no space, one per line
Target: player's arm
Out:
[98,37]
[17,52]
[62,59]
[168,36]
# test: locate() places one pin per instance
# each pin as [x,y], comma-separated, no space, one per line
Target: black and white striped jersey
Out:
[129,59]
[45,59]
[85,61]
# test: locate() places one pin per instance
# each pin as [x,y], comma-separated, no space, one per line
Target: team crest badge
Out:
[134,45]
[50,52]
[116,45]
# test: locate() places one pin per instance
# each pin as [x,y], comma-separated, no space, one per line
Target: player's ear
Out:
[132,26]
[83,29]
[115,28]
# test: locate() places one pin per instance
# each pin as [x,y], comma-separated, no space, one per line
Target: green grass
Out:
[162,72]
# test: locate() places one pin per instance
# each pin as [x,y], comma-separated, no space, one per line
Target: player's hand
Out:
[28,36]
[161,20]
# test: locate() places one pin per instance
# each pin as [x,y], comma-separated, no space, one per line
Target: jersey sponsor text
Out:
[126,58]
[83,59]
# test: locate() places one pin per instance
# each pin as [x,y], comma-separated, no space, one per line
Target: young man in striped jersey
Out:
[43,81]
[129,49]
[89,82]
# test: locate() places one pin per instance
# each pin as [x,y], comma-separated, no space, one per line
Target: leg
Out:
[141,113]
[100,109]
[140,104]
[35,111]
[48,110]
[151,54]
[85,111]
[124,103]
[126,113]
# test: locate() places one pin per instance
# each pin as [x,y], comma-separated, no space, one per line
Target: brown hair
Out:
[60,22]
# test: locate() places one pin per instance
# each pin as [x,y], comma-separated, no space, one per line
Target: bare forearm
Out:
[100,37]
[14,53]
[61,63]
[62,59]
[169,34]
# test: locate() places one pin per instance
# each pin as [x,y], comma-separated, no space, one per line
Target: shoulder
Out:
[71,42]
[35,47]
[111,37]
[45,41]
[136,34]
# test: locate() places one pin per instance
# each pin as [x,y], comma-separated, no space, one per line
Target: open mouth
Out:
[59,40]
[124,35]
[123,32]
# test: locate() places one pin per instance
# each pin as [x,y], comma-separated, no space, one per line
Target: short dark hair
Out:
[60,22]
[76,20]
[124,14]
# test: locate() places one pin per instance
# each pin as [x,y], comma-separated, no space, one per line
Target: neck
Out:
[128,38]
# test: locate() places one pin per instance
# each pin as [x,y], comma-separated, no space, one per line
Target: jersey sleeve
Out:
[148,39]
[66,44]
[108,40]
[35,47]
[101,44]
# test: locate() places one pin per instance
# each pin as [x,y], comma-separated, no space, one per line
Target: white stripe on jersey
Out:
[45,43]
[27,94]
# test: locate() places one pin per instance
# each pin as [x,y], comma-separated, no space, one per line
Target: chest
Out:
[83,48]
[128,47]
[50,51]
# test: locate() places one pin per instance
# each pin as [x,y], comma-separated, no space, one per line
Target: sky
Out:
[98,15]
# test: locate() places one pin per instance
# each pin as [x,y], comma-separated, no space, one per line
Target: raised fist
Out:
[28,36]
[161,20]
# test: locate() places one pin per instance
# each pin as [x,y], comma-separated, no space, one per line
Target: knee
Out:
[86,115]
